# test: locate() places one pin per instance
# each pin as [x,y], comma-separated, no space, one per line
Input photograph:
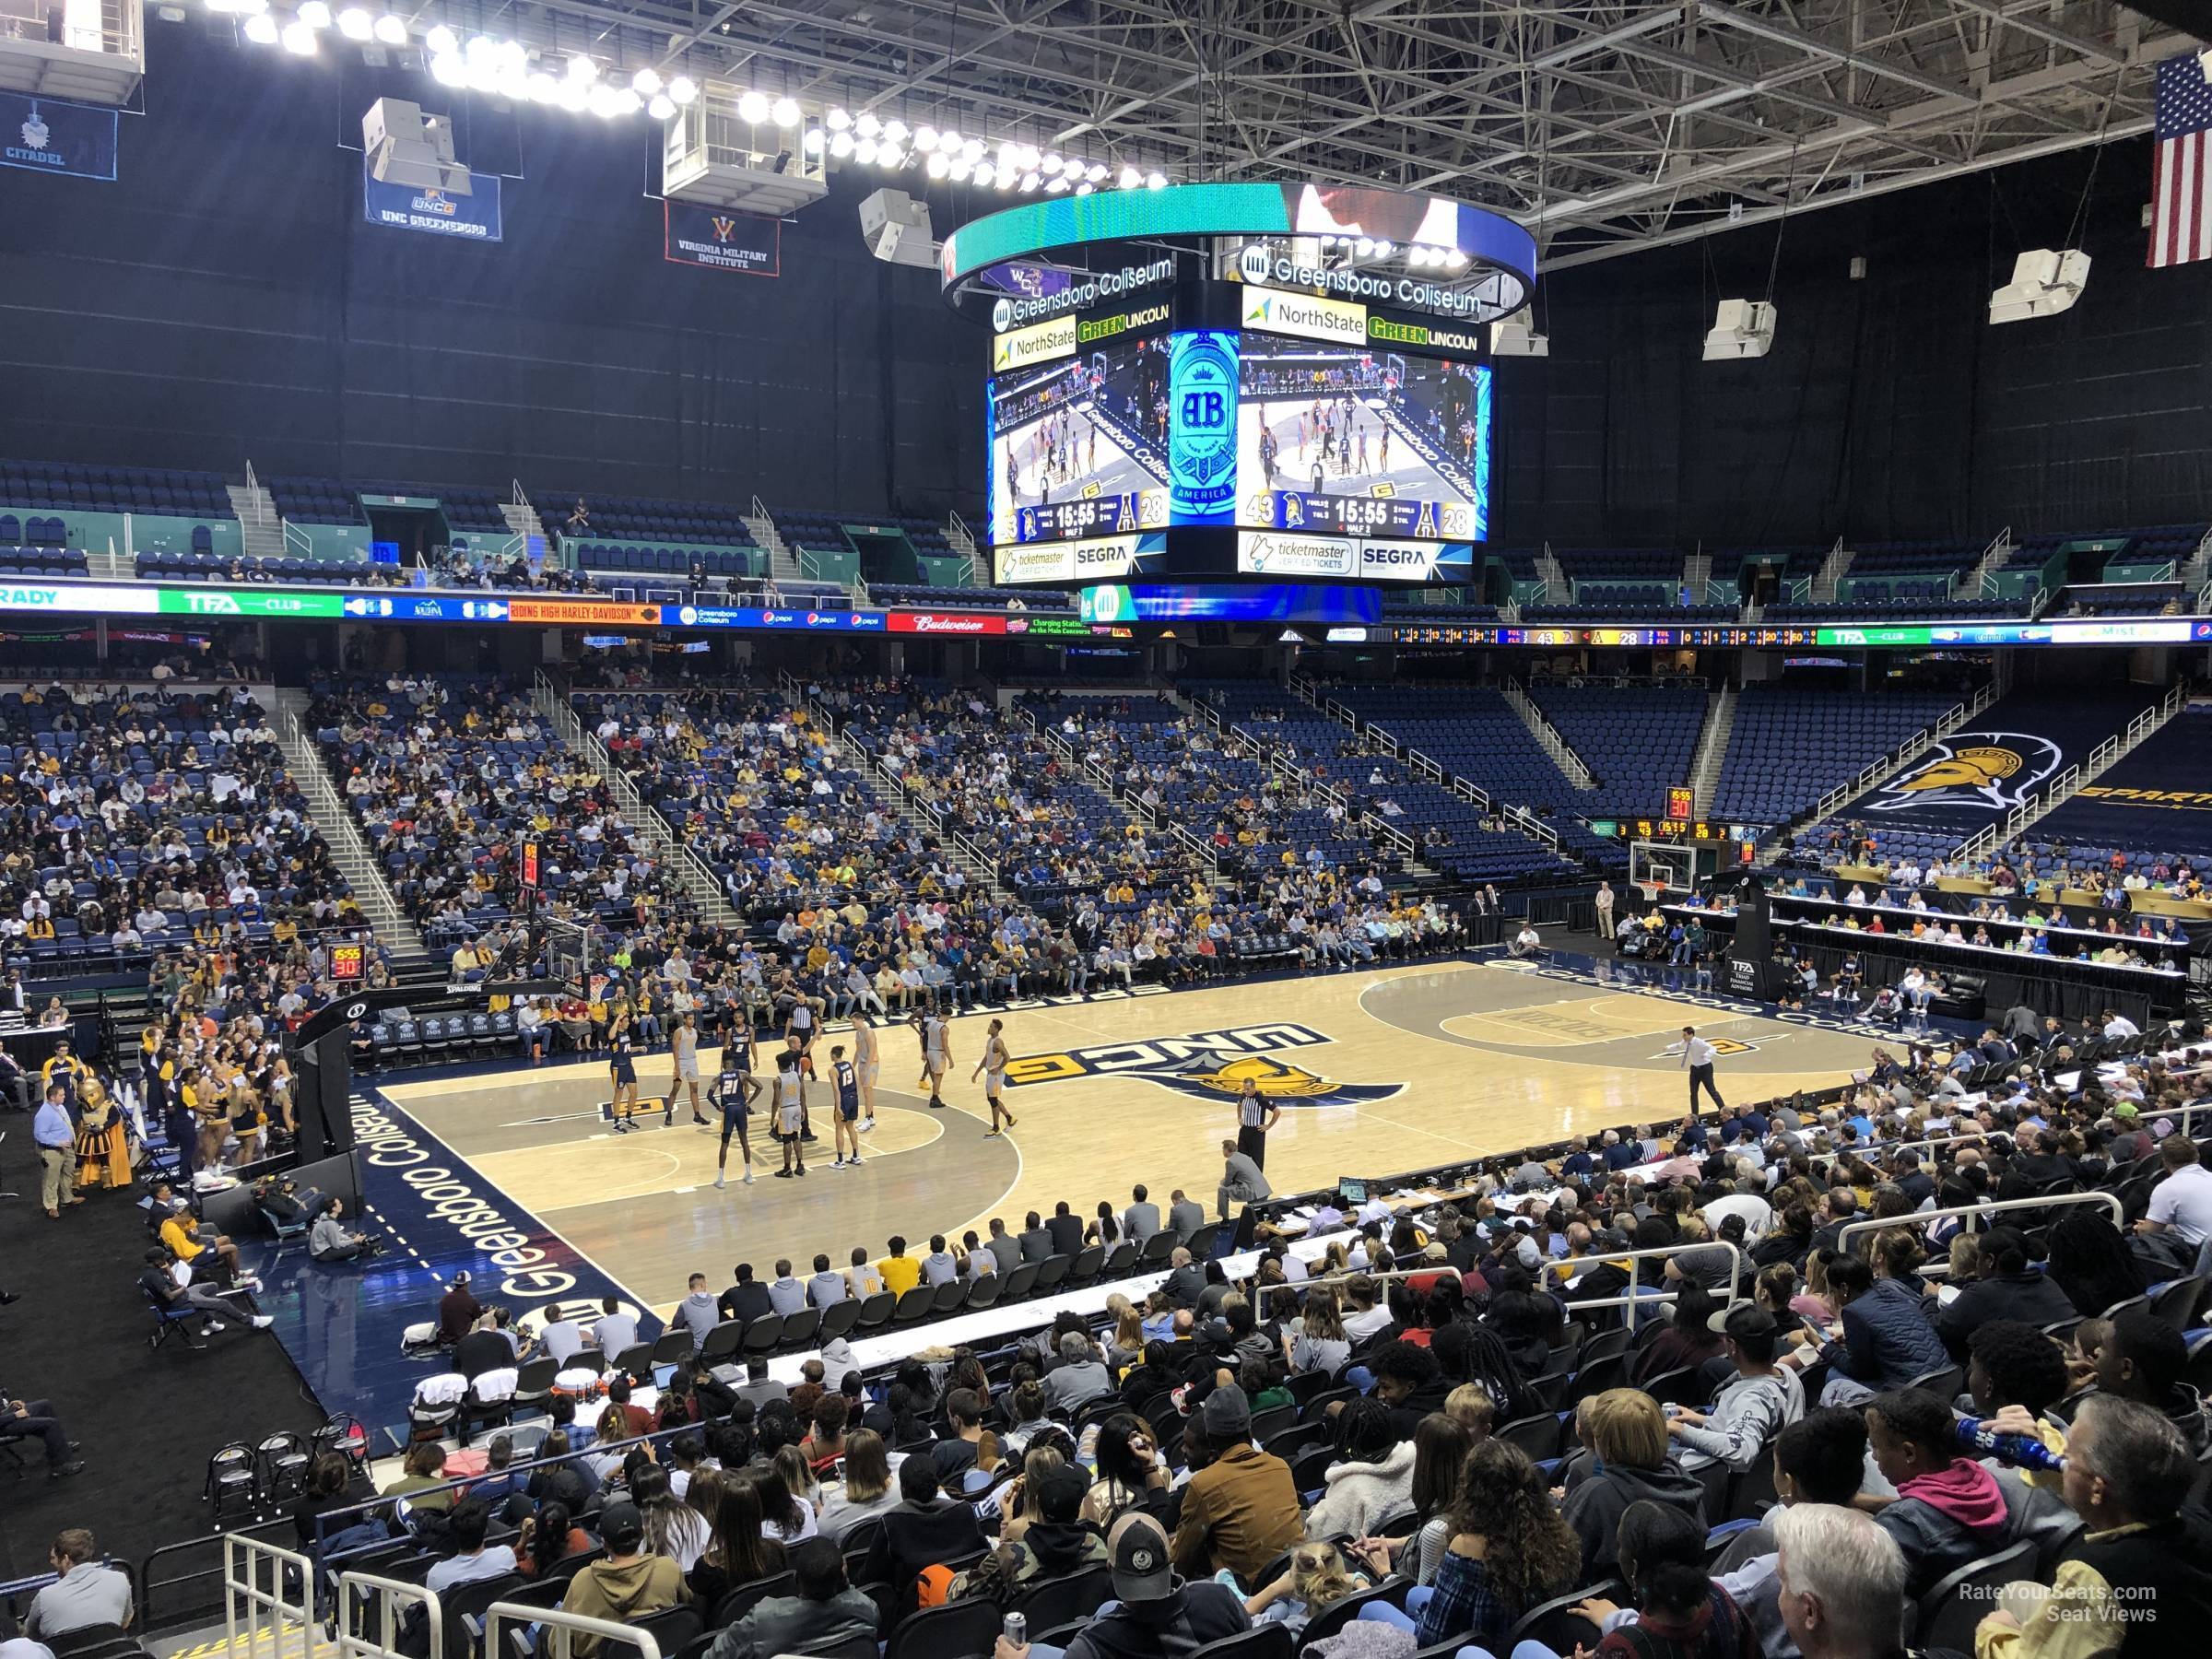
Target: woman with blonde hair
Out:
[1316,1576]
[1126,1345]
[867,1490]
[1625,1434]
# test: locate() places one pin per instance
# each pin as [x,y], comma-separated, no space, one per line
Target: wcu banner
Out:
[474,216]
[43,135]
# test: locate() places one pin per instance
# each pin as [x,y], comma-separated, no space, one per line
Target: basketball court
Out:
[1377,1071]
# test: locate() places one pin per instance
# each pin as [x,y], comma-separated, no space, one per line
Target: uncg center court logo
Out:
[1208,1065]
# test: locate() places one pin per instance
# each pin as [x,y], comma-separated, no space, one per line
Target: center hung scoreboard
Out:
[1246,412]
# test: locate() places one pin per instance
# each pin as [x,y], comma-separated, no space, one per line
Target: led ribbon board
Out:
[1499,275]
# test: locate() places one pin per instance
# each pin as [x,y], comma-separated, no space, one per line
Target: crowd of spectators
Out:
[1443,1419]
[451,777]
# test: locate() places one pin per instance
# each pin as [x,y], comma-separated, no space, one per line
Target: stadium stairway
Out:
[521,518]
[1712,748]
[782,563]
[1548,736]
[261,527]
[342,830]
[1829,577]
[551,701]
[1113,788]
[915,815]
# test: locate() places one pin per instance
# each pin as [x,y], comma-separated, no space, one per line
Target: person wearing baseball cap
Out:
[1154,1609]
[626,1584]
[1241,1510]
[1753,1406]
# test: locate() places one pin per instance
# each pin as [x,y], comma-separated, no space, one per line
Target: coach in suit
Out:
[1141,1219]
[1185,1217]
[1242,1182]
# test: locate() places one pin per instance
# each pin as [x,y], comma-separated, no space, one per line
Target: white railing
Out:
[1956,716]
[370,1611]
[1821,586]
[334,817]
[557,1630]
[703,884]
[297,542]
[2070,781]
[268,1602]
[1982,578]
[258,496]
[1548,736]
[520,499]
[1995,1206]
[1636,1293]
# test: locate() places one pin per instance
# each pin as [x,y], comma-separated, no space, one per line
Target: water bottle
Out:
[1016,1629]
[2022,1449]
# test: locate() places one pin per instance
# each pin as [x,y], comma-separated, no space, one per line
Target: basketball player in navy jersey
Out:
[734,1090]
[845,1076]
[622,1070]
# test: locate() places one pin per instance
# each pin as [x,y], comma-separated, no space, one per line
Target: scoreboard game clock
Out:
[347,963]
[1255,382]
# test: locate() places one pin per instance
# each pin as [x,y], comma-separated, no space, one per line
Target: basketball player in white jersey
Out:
[865,1062]
[991,1068]
[936,1055]
[683,1059]
[790,1115]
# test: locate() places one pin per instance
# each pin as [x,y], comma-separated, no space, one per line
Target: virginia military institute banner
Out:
[720,238]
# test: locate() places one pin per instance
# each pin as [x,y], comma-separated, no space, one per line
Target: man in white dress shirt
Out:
[1697,1055]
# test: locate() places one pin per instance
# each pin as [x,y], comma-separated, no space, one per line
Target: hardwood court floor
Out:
[1377,1071]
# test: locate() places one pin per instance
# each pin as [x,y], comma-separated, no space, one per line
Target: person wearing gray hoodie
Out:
[695,1313]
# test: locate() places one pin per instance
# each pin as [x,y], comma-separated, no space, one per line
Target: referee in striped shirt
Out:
[1256,1117]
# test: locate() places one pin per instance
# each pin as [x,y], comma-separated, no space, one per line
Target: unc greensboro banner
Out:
[42,134]
[473,217]
[720,238]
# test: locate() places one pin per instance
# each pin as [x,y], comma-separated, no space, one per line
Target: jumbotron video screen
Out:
[1079,448]
[1349,441]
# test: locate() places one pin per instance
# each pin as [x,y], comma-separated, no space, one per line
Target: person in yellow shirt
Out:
[900,1272]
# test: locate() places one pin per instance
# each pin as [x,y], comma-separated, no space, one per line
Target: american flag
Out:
[2181,221]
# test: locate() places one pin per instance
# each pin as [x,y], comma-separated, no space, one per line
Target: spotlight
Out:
[838,121]
[355,24]
[261,31]
[1383,250]
[390,31]
[895,130]
[1455,260]
[1029,183]
[784,112]
[841,145]
[1094,173]
[542,87]
[646,81]
[683,88]
[1052,162]
[1130,178]
[1055,185]
[949,141]
[938,165]
[983,174]
[752,108]
[1085,188]
[1072,168]
[812,143]
[1156,180]
[446,68]
[972,151]
[925,137]
[889,155]
[1364,248]
[441,40]
[960,167]
[865,152]
[1006,180]
[573,95]
[315,13]
[662,107]
[867,126]
[581,68]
